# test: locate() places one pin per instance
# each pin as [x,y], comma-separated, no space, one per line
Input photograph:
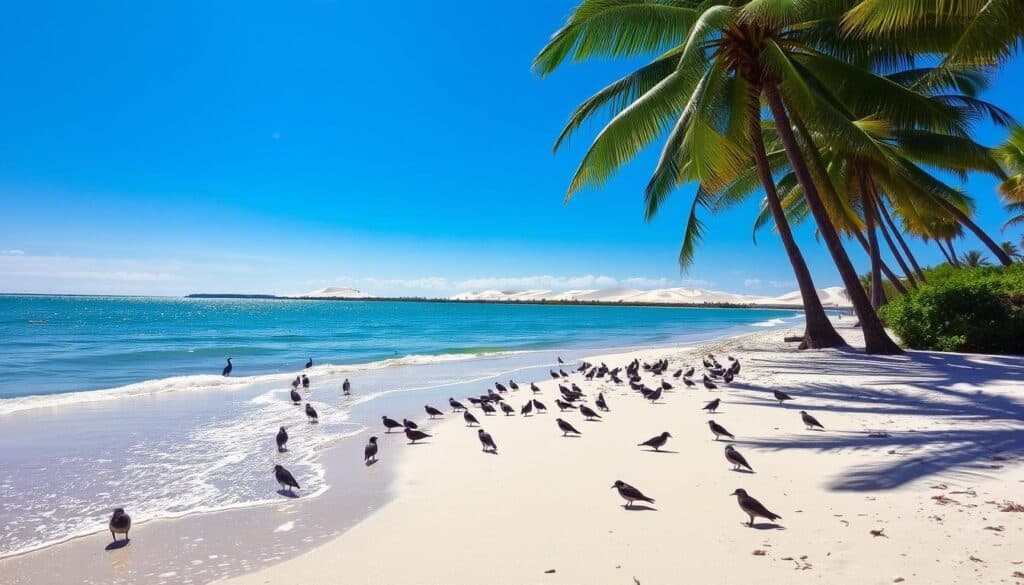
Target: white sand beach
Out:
[917,478]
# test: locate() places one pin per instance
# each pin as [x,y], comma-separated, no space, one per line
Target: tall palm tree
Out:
[975,259]
[1010,155]
[1012,250]
[706,99]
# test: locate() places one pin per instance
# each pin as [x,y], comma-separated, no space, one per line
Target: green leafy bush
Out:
[969,310]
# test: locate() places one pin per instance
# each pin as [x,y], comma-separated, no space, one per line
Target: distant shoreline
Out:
[512,302]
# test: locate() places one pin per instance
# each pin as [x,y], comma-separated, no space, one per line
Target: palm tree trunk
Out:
[899,238]
[958,213]
[875,202]
[819,331]
[873,253]
[876,340]
[945,253]
[894,280]
[952,251]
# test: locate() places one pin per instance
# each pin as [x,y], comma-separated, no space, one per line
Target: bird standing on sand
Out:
[309,364]
[600,403]
[431,411]
[370,451]
[708,383]
[689,372]
[563,405]
[391,423]
[486,441]
[534,388]
[469,418]
[657,442]
[346,387]
[311,413]
[752,507]
[630,493]
[733,456]
[719,430]
[810,422]
[414,435]
[554,374]
[409,424]
[120,523]
[512,384]
[566,428]
[227,369]
[285,478]
[295,396]
[563,373]
[282,439]
[781,396]
[507,408]
[588,413]
[665,385]
[527,408]
[539,406]
[689,383]
[456,405]
[713,405]
[654,396]
[500,387]
[487,407]
[305,382]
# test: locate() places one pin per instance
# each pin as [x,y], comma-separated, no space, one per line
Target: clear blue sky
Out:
[399,147]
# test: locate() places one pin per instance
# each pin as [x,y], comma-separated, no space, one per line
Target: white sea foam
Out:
[769,323]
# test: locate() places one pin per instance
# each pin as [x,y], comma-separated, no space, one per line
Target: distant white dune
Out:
[830,297]
[335,292]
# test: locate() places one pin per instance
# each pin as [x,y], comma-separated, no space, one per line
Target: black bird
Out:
[727,377]
[654,396]
[227,369]
[781,396]
[311,413]
[678,373]
[688,373]
[282,439]
[431,411]
[709,384]
[409,424]
[665,385]
[657,442]
[469,418]
[507,409]
[563,405]
[455,404]
[414,435]
[630,493]
[733,456]
[285,478]
[370,451]
[600,402]
[752,507]
[690,383]
[391,423]
[478,401]
[735,368]
[346,387]
[560,360]
[566,428]
[296,382]
[501,387]
[539,406]
[534,388]
[486,441]
[305,381]
[295,396]
[527,408]
[309,364]
[719,430]
[120,523]
[554,374]
[563,374]
[588,413]
[809,421]
[713,405]
[488,408]
[512,384]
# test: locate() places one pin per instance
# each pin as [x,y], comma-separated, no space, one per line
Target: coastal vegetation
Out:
[847,112]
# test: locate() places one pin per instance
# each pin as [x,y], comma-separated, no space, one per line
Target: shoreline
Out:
[496,515]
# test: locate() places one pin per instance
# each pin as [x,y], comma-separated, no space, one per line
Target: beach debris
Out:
[943,500]
[879,532]
[1009,506]
[759,552]
[636,581]
[995,528]
[549,571]
[1018,575]
[969,492]
[898,580]
[975,559]
[940,486]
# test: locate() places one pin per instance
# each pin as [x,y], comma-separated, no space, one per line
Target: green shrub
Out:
[970,310]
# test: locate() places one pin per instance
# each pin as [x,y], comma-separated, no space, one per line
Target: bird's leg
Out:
[114,536]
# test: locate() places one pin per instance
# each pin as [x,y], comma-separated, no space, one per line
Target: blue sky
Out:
[402,148]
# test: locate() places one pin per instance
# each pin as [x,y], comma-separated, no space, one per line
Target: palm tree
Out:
[1010,155]
[707,102]
[975,259]
[1012,250]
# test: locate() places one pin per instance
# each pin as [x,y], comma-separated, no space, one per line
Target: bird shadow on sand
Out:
[965,432]
[638,508]
[117,544]
[419,443]
[666,451]
[742,471]
[370,463]
[287,494]
[764,526]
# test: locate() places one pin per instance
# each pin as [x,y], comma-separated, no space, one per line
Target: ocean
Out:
[119,401]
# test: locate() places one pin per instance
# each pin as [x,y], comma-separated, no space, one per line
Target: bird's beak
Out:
[733,494]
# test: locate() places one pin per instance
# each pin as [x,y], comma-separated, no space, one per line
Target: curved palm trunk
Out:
[899,238]
[952,252]
[945,253]
[894,280]
[876,340]
[875,204]
[960,216]
[877,293]
[819,331]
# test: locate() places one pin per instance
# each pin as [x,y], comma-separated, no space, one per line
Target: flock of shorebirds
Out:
[571,398]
